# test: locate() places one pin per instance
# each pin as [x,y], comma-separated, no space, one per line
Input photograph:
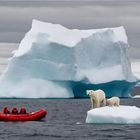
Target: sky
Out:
[16,17]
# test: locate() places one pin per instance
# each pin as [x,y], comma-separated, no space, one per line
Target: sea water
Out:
[65,120]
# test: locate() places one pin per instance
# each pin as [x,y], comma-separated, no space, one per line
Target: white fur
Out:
[97,98]
[114,101]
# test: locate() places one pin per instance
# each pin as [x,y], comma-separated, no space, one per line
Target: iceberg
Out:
[53,61]
[114,115]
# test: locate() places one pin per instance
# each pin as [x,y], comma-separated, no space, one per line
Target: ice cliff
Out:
[56,62]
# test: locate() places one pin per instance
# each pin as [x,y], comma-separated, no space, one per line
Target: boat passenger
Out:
[5,110]
[22,111]
[14,111]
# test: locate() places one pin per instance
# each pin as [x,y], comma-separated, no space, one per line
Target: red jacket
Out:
[6,111]
[14,111]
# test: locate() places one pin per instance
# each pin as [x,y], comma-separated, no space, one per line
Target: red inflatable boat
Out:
[34,116]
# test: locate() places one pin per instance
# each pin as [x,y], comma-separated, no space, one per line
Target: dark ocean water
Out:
[65,121]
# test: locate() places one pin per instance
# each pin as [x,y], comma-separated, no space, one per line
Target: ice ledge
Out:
[70,37]
[59,34]
[114,115]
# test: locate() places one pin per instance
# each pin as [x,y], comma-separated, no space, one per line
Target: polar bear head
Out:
[89,92]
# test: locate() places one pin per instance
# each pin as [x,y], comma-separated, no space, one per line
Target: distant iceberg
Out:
[114,115]
[53,61]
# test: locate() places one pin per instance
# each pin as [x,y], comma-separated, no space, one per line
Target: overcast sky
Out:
[16,17]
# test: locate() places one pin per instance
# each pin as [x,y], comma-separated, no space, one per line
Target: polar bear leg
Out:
[98,104]
[117,103]
[110,103]
[92,104]
[104,102]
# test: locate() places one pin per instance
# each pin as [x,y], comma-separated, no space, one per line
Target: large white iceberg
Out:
[54,61]
[116,115]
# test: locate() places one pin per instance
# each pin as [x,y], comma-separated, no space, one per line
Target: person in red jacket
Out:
[22,111]
[14,111]
[5,110]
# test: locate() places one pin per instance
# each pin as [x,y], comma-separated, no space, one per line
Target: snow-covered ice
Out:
[116,115]
[52,59]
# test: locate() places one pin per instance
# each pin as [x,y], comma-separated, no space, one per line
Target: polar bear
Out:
[114,101]
[97,98]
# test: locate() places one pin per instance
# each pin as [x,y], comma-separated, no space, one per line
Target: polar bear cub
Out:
[97,98]
[114,101]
